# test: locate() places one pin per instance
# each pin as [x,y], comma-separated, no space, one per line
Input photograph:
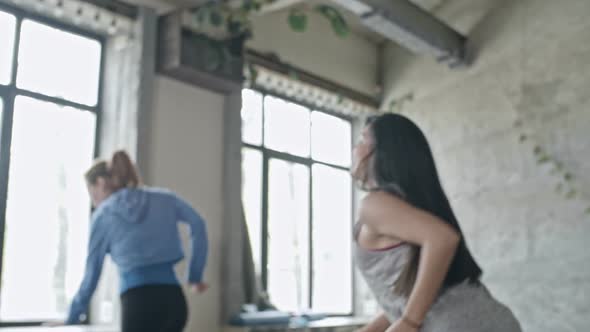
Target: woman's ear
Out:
[102,184]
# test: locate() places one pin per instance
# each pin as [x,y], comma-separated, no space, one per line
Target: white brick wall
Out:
[533,63]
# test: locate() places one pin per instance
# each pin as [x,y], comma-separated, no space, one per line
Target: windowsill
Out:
[332,322]
[339,322]
[78,328]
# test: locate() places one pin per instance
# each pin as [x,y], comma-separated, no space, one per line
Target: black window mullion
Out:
[310,235]
[310,215]
[99,103]
[6,138]
[353,207]
[5,143]
[263,121]
[15,50]
[264,260]
[293,158]
[264,221]
[55,100]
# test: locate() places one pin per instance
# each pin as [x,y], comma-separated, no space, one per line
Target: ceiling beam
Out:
[265,8]
[410,26]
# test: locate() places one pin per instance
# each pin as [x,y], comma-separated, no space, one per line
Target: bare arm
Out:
[378,324]
[390,216]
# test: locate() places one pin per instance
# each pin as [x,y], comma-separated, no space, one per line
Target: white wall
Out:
[186,156]
[533,64]
[350,61]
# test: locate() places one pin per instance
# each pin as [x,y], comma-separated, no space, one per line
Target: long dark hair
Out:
[402,164]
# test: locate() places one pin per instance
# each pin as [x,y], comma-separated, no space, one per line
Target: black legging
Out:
[154,308]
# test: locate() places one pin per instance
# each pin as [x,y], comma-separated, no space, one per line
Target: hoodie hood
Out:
[130,204]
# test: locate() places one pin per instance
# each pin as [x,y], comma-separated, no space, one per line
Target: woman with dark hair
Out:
[409,246]
[137,227]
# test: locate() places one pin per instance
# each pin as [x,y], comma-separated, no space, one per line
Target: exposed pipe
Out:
[411,27]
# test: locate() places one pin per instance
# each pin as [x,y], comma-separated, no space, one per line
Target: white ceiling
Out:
[462,15]
[429,5]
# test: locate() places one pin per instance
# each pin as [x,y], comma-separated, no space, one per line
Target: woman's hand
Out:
[378,324]
[401,326]
[199,288]
[54,323]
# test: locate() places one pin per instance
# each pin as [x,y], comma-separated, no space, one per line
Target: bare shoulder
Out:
[378,206]
[381,200]
[390,215]
[376,198]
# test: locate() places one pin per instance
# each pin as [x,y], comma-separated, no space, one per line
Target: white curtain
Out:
[127,90]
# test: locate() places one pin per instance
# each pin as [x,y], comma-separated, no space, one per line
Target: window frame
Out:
[267,155]
[9,93]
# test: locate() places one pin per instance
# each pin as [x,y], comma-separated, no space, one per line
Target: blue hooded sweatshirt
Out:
[138,229]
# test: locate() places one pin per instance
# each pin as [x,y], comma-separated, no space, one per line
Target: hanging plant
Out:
[297,20]
[338,23]
[231,22]
[235,20]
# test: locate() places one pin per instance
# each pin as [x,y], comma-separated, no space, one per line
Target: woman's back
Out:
[137,226]
[140,227]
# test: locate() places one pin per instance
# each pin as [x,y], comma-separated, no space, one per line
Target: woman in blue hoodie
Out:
[137,227]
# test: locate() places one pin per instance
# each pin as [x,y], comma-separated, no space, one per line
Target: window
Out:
[7,26]
[49,106]
[297,197]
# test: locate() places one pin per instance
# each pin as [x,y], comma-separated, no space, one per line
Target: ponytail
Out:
[120,172]
[123,172]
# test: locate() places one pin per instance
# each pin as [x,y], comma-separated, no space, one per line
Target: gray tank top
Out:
[380,269]
[465,307]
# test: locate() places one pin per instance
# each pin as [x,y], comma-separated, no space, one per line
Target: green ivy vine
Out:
[566,185]
[237,19]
